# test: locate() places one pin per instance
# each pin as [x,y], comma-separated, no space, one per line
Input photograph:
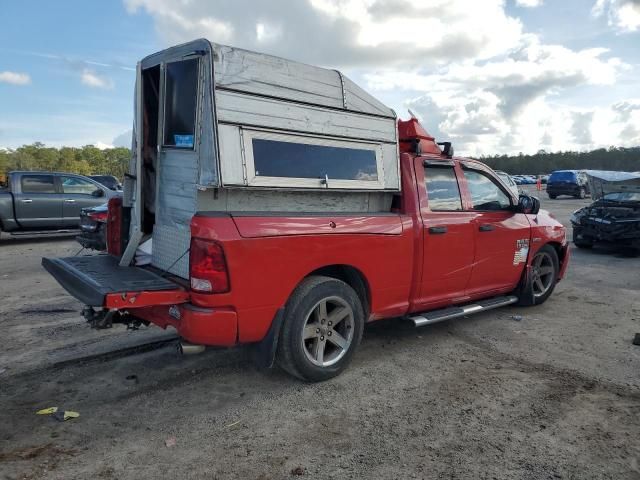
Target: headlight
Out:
[575,217]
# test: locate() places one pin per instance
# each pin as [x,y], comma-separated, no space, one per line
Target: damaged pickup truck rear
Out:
[614,217]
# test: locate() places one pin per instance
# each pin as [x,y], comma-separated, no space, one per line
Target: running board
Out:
[30,233]
[441,315]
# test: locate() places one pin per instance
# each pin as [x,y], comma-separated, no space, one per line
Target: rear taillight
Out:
[98,216]
[114,226]
[208,267]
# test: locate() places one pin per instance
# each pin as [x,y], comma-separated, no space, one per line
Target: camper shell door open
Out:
[224,129]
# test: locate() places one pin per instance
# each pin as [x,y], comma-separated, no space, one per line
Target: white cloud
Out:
[15,78]
[123,140]
[623,14]
[92,79]
[529,3]
[467,67]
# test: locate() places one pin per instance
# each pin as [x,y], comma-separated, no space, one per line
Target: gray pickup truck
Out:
[39,202]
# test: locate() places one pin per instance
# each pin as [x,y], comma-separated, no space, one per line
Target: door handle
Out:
[487,227]
[27,200]
[69,200]
[437,230]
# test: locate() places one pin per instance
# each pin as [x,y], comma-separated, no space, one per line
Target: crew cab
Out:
[39,202]
[292,208]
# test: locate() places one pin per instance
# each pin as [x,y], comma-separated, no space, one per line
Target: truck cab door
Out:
[447,233]
[78,193]
[37,203]
[501,235]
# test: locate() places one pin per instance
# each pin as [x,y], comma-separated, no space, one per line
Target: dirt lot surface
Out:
[555,394]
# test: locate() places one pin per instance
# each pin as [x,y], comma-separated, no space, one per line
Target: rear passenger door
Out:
[501,235]
[38,205]
[79,193]
[447,235]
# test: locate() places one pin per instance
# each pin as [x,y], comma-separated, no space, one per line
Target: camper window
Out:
[274,159]
[180,100]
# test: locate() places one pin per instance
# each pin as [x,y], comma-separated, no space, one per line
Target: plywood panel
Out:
[240,109]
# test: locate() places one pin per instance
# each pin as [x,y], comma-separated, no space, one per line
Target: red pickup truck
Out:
[455,242]
[300,285]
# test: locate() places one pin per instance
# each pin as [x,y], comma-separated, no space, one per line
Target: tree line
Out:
[613,158]
[87,160]
[90,160]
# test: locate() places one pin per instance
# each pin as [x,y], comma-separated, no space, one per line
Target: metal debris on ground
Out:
[517,318]
[297,471]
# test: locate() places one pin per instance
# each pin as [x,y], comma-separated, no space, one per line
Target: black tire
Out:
[552,255]
[295,352]
[552,196]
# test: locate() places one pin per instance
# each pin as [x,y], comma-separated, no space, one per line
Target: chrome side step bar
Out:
[443,314]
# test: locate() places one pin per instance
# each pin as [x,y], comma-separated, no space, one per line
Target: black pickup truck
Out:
[39,202]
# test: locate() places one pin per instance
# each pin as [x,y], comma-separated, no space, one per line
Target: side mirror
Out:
[528,204]
[97,193]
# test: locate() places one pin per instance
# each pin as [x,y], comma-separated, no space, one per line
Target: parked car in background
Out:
[38,202]
[109,181]
[93,227]
[568,182]
[509,181]
[614,216]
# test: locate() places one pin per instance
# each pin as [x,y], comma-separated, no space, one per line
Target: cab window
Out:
[443,192]
[37,184]
[485,193]
[77,185]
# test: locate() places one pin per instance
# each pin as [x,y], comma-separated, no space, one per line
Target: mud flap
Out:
[263,353]
[524,292]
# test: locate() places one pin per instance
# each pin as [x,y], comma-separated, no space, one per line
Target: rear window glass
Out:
[181,85]
[442,189]
[562,177]
[274,158]
[37,184]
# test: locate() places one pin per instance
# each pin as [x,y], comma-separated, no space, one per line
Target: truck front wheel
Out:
[323,323]
[544,273]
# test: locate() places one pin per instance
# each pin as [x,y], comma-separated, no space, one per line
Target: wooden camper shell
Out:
[248,95]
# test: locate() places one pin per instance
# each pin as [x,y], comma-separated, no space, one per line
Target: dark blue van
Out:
[568,182]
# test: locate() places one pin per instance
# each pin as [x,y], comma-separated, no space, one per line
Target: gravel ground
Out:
[553,395]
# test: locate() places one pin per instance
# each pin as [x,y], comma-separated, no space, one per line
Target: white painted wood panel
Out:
[237,108]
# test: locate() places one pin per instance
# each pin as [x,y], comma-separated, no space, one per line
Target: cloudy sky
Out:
[492,76]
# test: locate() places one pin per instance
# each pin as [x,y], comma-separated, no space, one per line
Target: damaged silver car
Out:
[614,216]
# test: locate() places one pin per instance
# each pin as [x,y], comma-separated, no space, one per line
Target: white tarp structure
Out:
[602,182]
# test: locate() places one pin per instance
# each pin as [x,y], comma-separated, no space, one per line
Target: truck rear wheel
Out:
[322,327]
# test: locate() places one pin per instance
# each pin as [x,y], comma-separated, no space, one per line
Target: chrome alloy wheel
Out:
[542,273]
[328,331]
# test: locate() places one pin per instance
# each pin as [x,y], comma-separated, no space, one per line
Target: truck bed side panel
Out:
[264,271]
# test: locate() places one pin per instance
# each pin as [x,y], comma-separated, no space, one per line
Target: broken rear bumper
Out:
[202,326]
[99,281]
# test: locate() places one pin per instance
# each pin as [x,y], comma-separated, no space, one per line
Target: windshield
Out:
[562,176]
[623,197]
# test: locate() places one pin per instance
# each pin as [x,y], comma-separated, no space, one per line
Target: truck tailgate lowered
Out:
[94,279]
